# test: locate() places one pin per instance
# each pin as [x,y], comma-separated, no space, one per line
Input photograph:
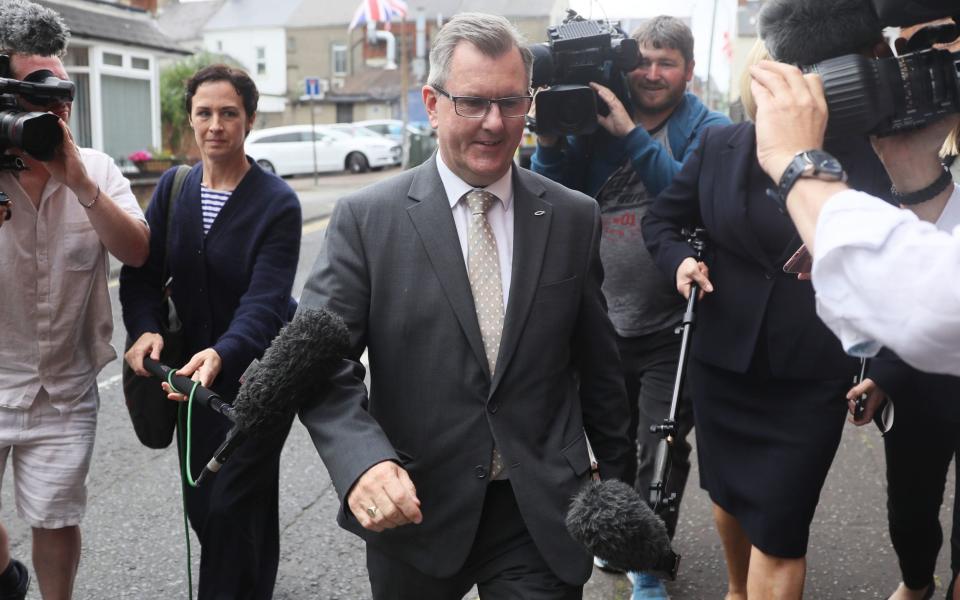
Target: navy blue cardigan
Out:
[231,287]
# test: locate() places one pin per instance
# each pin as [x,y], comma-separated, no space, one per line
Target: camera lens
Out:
[36,132]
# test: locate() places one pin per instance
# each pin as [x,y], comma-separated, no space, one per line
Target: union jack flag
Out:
[378,11]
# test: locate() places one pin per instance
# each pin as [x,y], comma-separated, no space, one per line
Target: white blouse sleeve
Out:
[885,278]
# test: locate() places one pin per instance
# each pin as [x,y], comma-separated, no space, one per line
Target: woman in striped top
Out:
[233,251]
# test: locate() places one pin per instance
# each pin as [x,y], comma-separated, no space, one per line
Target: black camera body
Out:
[888,95]
[38,133]
[580,51]
[884,96]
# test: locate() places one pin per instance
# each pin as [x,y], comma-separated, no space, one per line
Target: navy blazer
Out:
[752,294]
[231,286]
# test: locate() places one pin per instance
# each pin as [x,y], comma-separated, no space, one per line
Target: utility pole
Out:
[708,97]
[404,72]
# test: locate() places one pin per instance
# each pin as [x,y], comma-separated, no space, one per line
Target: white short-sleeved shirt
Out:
[55,315]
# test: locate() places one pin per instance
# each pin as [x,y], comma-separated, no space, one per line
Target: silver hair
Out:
[492,35]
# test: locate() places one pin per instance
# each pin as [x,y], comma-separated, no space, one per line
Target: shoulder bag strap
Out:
[178,179]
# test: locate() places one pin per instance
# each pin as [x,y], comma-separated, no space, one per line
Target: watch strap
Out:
[805,164]
[790,176]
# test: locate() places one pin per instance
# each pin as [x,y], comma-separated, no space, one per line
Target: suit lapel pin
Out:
[539,213]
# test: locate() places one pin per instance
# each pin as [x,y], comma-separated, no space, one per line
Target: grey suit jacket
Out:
[392,266]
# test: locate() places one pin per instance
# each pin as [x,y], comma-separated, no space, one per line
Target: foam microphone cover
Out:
[296,366]
[614,523]
[28,28]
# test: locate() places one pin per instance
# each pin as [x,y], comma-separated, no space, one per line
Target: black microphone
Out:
[613,523]
[298,364]
[202,395]
[28,28]
[235,437]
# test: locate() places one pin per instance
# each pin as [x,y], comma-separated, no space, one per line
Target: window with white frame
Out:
[126,102]
[77,63]
[261,60]
[339,54]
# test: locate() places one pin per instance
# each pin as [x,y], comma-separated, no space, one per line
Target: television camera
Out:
[884,96]
[579,51]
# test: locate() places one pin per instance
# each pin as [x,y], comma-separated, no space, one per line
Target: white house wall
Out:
[242,44]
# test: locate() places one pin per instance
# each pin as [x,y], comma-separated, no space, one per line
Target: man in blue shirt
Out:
[630,160]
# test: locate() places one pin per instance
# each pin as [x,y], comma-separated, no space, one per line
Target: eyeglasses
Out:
[473,107]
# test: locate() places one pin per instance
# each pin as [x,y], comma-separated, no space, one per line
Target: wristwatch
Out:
[815,164]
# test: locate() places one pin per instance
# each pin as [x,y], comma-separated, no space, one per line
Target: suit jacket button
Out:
[481,471]
[492,407]
[768,275]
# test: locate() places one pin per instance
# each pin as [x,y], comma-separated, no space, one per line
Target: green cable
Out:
[185,477]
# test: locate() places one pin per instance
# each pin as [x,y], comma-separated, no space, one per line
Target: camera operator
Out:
[56,319]
[884,276]
[625,165]
[923,438]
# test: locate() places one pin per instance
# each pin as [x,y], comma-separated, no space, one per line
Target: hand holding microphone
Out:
[184,384]
[298,363]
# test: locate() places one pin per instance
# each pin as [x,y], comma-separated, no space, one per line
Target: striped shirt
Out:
[211,201]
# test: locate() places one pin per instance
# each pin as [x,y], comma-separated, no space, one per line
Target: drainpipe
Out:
[374,36]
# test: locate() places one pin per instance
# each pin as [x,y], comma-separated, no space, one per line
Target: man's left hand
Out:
[618,122]
[384,497]
[791,114]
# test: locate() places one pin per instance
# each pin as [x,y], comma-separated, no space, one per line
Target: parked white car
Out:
[289,150]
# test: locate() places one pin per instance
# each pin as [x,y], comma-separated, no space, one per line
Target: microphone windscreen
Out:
[28,28]
[297,364]
[613,523]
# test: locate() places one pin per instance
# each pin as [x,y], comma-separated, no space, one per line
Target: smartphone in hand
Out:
[800,263]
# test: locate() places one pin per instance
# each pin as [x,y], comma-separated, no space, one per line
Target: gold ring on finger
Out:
[373,511]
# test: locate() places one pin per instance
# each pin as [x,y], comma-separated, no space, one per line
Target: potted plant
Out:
[151,162]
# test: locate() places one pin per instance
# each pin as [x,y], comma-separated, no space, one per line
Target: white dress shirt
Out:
[885,278]
[55,315]
[500,217]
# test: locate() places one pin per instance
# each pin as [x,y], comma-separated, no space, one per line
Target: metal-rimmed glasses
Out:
[474,107]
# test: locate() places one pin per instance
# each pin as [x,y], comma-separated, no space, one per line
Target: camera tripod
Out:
[660,500]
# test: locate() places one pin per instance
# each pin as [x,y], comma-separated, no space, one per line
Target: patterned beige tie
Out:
[483,269]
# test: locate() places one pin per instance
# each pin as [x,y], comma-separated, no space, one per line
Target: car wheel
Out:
[357,163]
[267,166]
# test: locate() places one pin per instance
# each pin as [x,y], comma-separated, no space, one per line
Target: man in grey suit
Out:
[474,285]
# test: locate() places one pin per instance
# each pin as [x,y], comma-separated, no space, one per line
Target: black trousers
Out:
[503,562]
[234,514]
[918,450]
[649,370]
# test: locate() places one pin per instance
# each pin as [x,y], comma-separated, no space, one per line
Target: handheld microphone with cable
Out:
[204,396]
[613,523]
[299,362]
